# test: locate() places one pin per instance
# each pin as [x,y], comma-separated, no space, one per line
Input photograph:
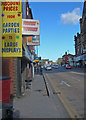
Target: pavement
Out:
[79,69]
[36,103]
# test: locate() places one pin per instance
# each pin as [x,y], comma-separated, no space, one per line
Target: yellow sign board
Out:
[36,60]
[11,6]
[11,47]
[0,30]
[11,29]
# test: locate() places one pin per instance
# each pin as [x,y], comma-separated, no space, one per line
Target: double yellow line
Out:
[69,108]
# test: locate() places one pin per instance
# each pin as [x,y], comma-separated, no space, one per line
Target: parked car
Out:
[48,68]
[42,66]
[52,65]
[63,65]
[45,66]
[55,66]
[68,67]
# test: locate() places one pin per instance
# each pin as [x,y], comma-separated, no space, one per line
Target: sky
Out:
[59,22]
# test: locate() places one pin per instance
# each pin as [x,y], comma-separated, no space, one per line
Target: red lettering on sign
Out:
[10,16]
[10,3]
[10,37]
[12,8]
[29,23]
[16,8]
[30,29]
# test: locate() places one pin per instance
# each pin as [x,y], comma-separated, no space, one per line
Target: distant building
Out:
[50,62]
[80,41]
[44,61]
[65,58]
[59,61]
[72,61]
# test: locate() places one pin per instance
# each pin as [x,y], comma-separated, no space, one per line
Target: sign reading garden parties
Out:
[11,29]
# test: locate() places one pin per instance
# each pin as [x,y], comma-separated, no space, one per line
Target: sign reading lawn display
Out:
[33,40]
[11,29]
[30,27]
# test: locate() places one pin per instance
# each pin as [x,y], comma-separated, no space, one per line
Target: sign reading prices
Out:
[11,29]
[30,27]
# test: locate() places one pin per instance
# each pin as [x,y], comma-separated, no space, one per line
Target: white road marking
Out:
[63,82]
[75,79]
[77,73]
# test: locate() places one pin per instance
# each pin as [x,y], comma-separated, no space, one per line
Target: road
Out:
[68,85]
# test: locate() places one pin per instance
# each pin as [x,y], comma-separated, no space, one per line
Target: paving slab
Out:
[36,104]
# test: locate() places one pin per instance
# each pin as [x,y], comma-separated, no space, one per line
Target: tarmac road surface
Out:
[69,86]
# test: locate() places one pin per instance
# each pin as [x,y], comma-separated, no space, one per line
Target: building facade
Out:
[19,69]
[72,61]
[80,41]
[59,61]
[44,61]
[65,58]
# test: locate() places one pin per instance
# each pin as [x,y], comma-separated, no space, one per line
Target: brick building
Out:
[80,40]
[45,61]
[19,68]
[65,58]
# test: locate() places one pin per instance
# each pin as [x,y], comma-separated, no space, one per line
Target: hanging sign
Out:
[33,40]
[30,27]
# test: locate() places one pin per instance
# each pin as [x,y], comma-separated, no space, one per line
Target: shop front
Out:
[81,61]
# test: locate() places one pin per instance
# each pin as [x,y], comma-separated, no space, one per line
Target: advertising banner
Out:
[11,6]
[36,60]
[30,27]
[84,51]
[0,30]
[33,40]
[11,29]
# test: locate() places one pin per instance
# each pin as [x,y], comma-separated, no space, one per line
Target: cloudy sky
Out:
[59,22]
[71,17]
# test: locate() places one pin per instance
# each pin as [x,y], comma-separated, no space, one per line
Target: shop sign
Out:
[84,51]
[36,60]
[33,40]
[11,6]
[30,27]
[11,29]
[78,58]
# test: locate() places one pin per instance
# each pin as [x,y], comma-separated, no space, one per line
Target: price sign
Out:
[11,29]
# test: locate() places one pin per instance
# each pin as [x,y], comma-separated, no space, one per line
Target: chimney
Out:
[65,53]
[81,24]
